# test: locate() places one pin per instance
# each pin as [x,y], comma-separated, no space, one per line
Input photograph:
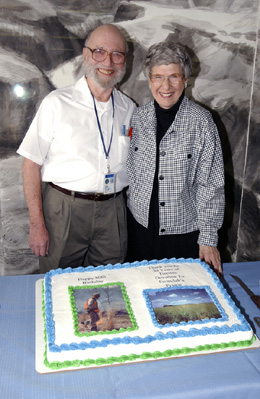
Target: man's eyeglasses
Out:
[99,55]
[173,79]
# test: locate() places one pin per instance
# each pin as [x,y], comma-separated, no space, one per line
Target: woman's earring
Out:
[186,84]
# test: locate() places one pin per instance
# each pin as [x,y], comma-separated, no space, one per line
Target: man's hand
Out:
[39,236]
[211,256]
[39,240]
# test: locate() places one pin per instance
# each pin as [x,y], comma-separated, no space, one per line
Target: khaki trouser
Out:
[83,232]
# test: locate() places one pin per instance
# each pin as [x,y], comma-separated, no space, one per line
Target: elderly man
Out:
[75,145]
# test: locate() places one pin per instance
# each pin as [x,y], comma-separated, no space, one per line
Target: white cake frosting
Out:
[148,292]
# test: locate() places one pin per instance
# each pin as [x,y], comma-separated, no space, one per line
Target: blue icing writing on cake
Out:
[137,311]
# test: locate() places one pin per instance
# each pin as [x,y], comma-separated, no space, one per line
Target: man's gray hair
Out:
[165,53]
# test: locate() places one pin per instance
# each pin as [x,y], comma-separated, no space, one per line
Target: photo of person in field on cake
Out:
[103,309]
[91,308]
[175,168]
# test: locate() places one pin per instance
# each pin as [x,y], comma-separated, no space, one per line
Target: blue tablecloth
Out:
[223,375]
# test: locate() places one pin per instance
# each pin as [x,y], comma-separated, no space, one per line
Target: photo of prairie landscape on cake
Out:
[178,305]
[101,308]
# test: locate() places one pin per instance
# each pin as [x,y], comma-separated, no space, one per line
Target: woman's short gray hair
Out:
[165,53]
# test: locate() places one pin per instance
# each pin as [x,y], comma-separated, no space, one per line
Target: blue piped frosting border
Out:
[50,325]
[146,293]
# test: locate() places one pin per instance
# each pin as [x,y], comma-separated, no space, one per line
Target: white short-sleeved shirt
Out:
[64,138]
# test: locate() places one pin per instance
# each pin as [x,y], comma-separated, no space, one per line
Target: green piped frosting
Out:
[145,355]
[133,357]
[71,290]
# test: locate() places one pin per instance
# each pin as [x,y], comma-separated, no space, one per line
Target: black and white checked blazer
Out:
[191,172]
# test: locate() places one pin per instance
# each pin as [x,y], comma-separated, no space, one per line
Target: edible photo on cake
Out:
[178,305]
[101,308]
[134,312]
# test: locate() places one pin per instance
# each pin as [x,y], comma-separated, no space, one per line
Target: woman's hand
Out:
[211,256]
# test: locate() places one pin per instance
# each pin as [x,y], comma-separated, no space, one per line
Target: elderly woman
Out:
[175,168]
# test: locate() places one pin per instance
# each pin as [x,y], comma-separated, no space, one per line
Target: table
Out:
[224,375]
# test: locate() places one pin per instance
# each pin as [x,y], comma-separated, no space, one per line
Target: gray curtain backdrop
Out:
[40,50]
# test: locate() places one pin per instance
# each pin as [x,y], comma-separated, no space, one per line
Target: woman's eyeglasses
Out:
[173,79]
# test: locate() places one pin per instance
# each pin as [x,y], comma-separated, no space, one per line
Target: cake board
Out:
[40,343]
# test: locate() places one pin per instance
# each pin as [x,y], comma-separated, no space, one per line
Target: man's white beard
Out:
[106,82]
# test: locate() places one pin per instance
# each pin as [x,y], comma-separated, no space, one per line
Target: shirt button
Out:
[163,153]
[189,156]
[162,203]
[161,177]
[136,148]
[162,230]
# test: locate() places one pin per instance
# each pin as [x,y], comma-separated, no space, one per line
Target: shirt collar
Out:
[82,94]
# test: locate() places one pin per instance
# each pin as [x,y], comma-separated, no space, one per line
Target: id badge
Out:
[109,183]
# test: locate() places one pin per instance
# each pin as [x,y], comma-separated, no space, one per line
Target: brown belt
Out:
[92,197]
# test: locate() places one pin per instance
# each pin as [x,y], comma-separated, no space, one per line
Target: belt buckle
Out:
[98,196]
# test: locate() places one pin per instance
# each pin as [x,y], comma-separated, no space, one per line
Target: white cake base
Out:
[40,342]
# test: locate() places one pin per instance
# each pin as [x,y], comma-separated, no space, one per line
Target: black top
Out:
[165,118]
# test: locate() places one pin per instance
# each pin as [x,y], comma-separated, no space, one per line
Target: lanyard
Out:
[106,151]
